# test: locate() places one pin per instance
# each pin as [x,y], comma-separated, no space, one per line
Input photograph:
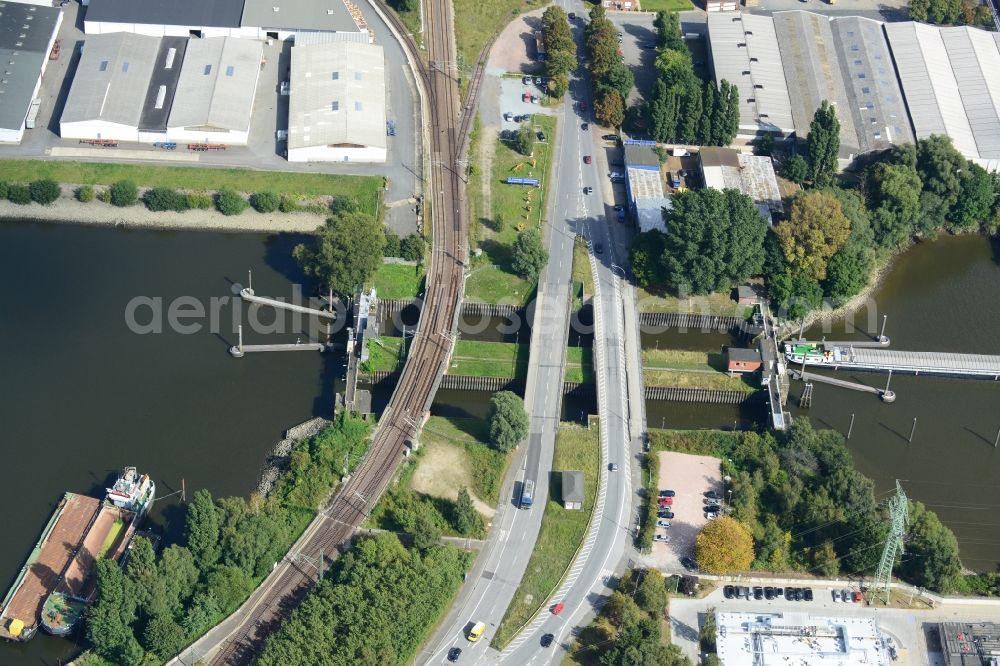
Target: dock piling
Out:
[913,428]
[881,335]
[997,440]
[850,428]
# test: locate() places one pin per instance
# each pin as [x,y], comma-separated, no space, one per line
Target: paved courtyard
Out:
[689,476]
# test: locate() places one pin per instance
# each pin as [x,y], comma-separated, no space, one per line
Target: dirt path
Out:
[444,469]
[487,150]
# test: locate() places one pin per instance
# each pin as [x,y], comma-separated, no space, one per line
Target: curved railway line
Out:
[333,527]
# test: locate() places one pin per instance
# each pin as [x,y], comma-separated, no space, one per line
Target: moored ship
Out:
[132,491]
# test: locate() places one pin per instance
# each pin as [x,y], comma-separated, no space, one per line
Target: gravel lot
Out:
[690,477]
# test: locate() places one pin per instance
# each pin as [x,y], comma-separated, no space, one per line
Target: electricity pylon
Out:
[898,513]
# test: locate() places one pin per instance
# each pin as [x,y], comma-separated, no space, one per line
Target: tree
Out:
[610,109]
[508,421]
[931,559]
[646,257]
[710,103]
[620,79]
[230,202]
[794,294]
[426,532]
[84,193]
[163,636]
[345,254]
[823,143]
[44,191]
[392,245]
[825,561]
[165,198]
[944,12]
[764,145]
[266,202]
[724,546]
[940,167]
[668,31]
[467,519]
[19,194]
[524,142]
[847,271]
[796,169]
[975,201]
[729,97]
[918,9]
[714,239]
[201,530]
[706,635]
[123,193]
[895,194]
[110,618]
[412,247]
[179,573]
[816,229]
[560,49]
[651,595]
[529,254]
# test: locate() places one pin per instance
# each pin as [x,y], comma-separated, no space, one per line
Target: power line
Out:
[898,510]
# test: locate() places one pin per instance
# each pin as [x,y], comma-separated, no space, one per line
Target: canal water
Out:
[83,395]
[941,296]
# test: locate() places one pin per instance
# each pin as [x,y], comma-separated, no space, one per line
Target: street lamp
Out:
[726,479]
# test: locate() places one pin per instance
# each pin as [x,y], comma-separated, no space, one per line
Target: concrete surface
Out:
[690,476]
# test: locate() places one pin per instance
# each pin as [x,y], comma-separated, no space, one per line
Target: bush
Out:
[391,248]
[3,189]
[165,198]
[265,202]
[230,202]
[85,193]
[19,194]
[124,193]
[412,248]
[288,204]
[104,195]
[198,200]
[44,191]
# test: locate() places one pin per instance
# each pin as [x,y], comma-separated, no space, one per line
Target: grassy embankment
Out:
[704,304]
[398,281]
[476,20]
[580,365]
[666,5]
[562,530]
[453,453]
[365,189]
[689,369]
[583,278]
[472,358]
[513,208]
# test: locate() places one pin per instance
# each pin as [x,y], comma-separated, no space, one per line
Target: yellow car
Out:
[476,632]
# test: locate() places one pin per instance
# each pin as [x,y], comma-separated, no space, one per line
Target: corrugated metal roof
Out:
[745,52]
[337,95]
[111,79]
[167,70]
[639,155]
[217,84]
[25,33]
[649,213]
[194,13]
[949,80]
[322,15]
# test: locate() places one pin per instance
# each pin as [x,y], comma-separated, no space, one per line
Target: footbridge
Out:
[976,366]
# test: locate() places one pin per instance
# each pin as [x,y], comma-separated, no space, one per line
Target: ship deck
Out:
[106,527]
[62,536]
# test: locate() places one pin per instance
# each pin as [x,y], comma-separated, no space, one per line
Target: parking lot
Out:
[690,477]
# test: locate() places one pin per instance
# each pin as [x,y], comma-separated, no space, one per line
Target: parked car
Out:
[799,594]
[711,502]
[790,593]
[728,591]
[711,515]
[836,596]
[598,249]
[663,523]
[541,135]
[526,80]
[745,592]
[807,594]
[769,592]
[665,501]
[845,596]
[858,597]
[713,509]
[711,494]
[572,16]
[662,513]
[663,493]
[621,216]
[669,515]
[587,159]
[610,137]
[585,126]
[509,116]
[547,640]
[454,654]
[689,564]
[662,537]
[538,80]
[758,593]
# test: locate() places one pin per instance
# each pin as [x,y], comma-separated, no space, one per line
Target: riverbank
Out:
[67,210]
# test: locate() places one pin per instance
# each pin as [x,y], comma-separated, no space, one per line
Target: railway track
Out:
[333,527]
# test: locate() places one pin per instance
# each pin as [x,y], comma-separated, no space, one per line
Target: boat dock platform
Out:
[980,366]
[885,394]
[63,535]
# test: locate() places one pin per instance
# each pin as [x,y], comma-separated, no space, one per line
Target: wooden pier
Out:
[885,394]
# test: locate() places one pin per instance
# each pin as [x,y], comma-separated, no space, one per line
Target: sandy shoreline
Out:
[67,210]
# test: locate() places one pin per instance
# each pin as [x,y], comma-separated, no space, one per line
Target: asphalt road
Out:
[494,580]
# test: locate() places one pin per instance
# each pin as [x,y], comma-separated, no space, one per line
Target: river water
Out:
[82,395]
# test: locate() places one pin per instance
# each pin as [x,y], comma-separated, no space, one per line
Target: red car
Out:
[666,501]
[558,608]
[586,159]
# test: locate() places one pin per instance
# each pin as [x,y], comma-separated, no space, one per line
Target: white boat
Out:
[132,491]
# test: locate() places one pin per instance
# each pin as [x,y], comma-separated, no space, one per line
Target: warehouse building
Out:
[284,19]
[969,643]
[177,18]
[744,51]
[161,89]
[845,61]
[951,84]
[336,108]
[109,89]
[644,185]
[753,175]
[215,92]
[27,35]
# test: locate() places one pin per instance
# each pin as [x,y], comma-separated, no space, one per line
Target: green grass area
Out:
[514,208]
[476,20]
[716,443]
[580,364]
[112,537]
[385,354]
[665,5]
[411,19]
[695,379]
[679,359]
[709,304]
[583,278]
[486,465]
[490,359]
[366,189]
[562,530]
[398,281]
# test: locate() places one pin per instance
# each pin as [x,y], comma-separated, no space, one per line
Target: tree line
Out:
[951,12]
[560,50]
[156,604]
[612,79]
[683,109]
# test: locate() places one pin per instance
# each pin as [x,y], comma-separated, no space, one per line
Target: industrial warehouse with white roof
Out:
[27,34]
[131,87]
[336,109]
